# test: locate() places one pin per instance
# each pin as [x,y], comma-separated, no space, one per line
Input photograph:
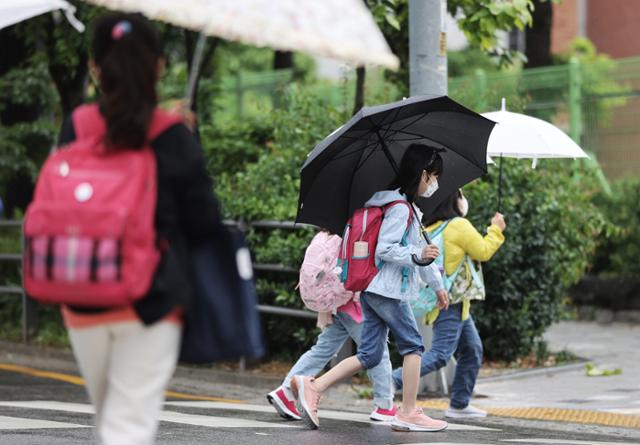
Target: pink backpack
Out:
[358,251]
[90,235]
[320,288]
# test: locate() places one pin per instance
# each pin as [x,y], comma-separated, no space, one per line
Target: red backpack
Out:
[90,235]
[357,257]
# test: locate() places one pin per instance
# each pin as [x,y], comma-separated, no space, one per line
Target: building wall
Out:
[564,26]
[612,25]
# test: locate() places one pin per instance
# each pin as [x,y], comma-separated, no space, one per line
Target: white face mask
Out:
[431,189]
[463,205]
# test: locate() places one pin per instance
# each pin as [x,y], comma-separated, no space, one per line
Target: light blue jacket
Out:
[395,257]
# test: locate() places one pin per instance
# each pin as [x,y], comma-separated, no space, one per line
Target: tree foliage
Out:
[480,20]
[551,238]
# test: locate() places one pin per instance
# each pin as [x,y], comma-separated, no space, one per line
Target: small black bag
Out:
[222,322]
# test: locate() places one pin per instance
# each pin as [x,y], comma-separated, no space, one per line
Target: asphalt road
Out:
[40,410]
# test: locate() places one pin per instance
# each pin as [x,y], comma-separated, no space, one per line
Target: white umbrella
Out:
[15,11]
[340,29]
[525,137]
[521,136]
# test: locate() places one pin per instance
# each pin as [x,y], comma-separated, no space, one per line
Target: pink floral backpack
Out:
[320,287]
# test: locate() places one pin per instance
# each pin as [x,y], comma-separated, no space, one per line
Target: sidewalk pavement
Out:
[612,346]
[572,396]
[568,396]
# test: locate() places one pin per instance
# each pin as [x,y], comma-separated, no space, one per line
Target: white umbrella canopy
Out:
[521,136]
[15,11]
[526,137]
[340,29]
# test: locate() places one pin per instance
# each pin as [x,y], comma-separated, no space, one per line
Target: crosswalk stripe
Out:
[631,411]
[218,422]
[443,443]
[166,416]
[566,442]
[18,423]
[324,414]
[214,421]
[69,407]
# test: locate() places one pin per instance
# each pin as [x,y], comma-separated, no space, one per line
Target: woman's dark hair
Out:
[447,209]
[417,158]
[126,48]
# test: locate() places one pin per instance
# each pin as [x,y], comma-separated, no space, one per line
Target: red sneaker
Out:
[383,415]
[283,401]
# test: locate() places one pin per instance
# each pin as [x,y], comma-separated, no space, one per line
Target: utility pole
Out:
[428,47]
[428,75]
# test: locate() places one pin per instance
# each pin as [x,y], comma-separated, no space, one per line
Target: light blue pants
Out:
[327,346]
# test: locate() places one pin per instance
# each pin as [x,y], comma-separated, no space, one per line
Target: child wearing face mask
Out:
[385,302]
[453,328]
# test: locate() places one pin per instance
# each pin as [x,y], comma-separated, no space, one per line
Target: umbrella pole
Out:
[195,69]
[500,187]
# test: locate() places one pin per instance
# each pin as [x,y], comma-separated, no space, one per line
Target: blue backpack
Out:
[427,299]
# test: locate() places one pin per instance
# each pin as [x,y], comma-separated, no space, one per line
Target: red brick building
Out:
[612,25]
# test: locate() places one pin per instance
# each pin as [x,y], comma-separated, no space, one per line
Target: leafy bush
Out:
[24,144]
[552,233]
[619,251]
[267,189]
[230,146]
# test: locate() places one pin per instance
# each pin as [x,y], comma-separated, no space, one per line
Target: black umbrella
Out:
[361,157]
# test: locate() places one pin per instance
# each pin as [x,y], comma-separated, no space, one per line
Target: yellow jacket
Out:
[461,239]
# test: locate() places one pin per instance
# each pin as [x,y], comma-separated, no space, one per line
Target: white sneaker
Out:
[465,413]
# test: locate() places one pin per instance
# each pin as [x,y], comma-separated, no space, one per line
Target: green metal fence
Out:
[248,93]
[597,103]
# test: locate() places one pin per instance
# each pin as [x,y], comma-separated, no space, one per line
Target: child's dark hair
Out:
[447,209]
[126,49]
[417,158]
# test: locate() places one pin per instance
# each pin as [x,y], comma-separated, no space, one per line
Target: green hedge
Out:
[553,226]
[267,189]
[552,233]
[619,252]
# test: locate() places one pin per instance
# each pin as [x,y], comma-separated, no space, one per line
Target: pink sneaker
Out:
[308,399]
[383,415]
[417,421]
[284,402]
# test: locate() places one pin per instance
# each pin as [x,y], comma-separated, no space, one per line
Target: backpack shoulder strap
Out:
[161,121]
[440,229]
[88,122]
[400,201]
[403,242]
[475,276]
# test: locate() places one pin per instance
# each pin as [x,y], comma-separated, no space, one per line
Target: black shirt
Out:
[187,212]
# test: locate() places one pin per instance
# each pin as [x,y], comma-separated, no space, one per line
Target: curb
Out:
[535,372]
[246,378]
[63,360]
